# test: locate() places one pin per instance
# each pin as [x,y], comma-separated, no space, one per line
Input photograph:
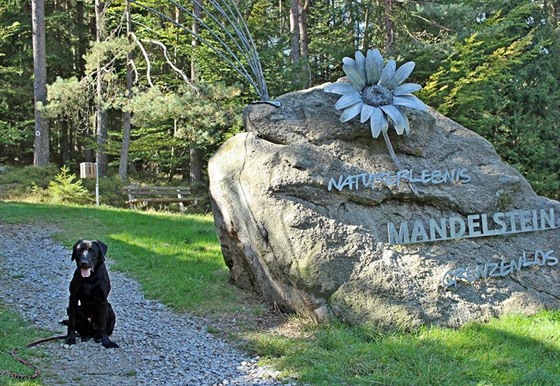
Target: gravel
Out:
[157,346]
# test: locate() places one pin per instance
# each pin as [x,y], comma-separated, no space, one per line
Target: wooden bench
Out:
[141,196]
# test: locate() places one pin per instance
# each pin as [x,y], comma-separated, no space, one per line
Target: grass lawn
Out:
[515,350]
[177,260]
[14,332]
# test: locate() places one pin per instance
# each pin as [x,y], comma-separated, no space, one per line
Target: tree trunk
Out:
[303,37]
[294,32]
[82,41]
[82,29]
[553,11]
[303,9]
[101,114]
[389,31]
[194,42]
[196,154]
[89,154]
[41,150]
[196,165]
[123,164]
[365,39]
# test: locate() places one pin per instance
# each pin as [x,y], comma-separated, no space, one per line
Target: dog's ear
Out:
[74,250]
[102,247]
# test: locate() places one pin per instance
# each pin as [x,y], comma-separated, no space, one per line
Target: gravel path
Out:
[157,346]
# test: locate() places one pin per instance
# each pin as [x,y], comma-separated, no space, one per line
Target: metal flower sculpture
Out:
[376,93]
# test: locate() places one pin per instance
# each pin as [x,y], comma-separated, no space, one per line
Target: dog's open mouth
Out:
[86,271]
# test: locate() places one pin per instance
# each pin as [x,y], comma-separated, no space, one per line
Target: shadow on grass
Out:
[515,350]
[176,258]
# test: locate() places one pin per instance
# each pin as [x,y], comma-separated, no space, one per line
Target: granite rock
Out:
[302,223]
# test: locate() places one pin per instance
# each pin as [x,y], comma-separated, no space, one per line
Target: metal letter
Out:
[402,237]
[452,231]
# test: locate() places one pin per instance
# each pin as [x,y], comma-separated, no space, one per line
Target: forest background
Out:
[150,103]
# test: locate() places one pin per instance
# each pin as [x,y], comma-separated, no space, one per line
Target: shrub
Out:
[110,190]
[66,188]
[25,178]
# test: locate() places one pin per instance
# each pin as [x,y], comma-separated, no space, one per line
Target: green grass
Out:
[14,333]
[514,350]
[177,260]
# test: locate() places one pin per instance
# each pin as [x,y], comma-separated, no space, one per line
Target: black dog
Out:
[89,312]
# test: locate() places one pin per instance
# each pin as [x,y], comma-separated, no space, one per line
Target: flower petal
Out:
[374,66]
[340,88]
[396,116]
[348,61]
[367,111]
[356,76]
[348,100]
[410,101]
[388,72]
[361,64]
[378,122]
[400,75]
[406,88]
[406,124]
[351,112]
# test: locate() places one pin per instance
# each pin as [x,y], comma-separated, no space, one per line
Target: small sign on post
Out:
[90,170]
[87,170]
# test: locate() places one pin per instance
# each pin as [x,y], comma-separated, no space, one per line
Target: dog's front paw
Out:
[110,344]
[70,340]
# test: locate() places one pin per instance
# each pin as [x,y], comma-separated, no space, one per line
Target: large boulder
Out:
[311,215]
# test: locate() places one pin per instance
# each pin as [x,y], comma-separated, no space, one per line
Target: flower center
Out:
[377,95]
